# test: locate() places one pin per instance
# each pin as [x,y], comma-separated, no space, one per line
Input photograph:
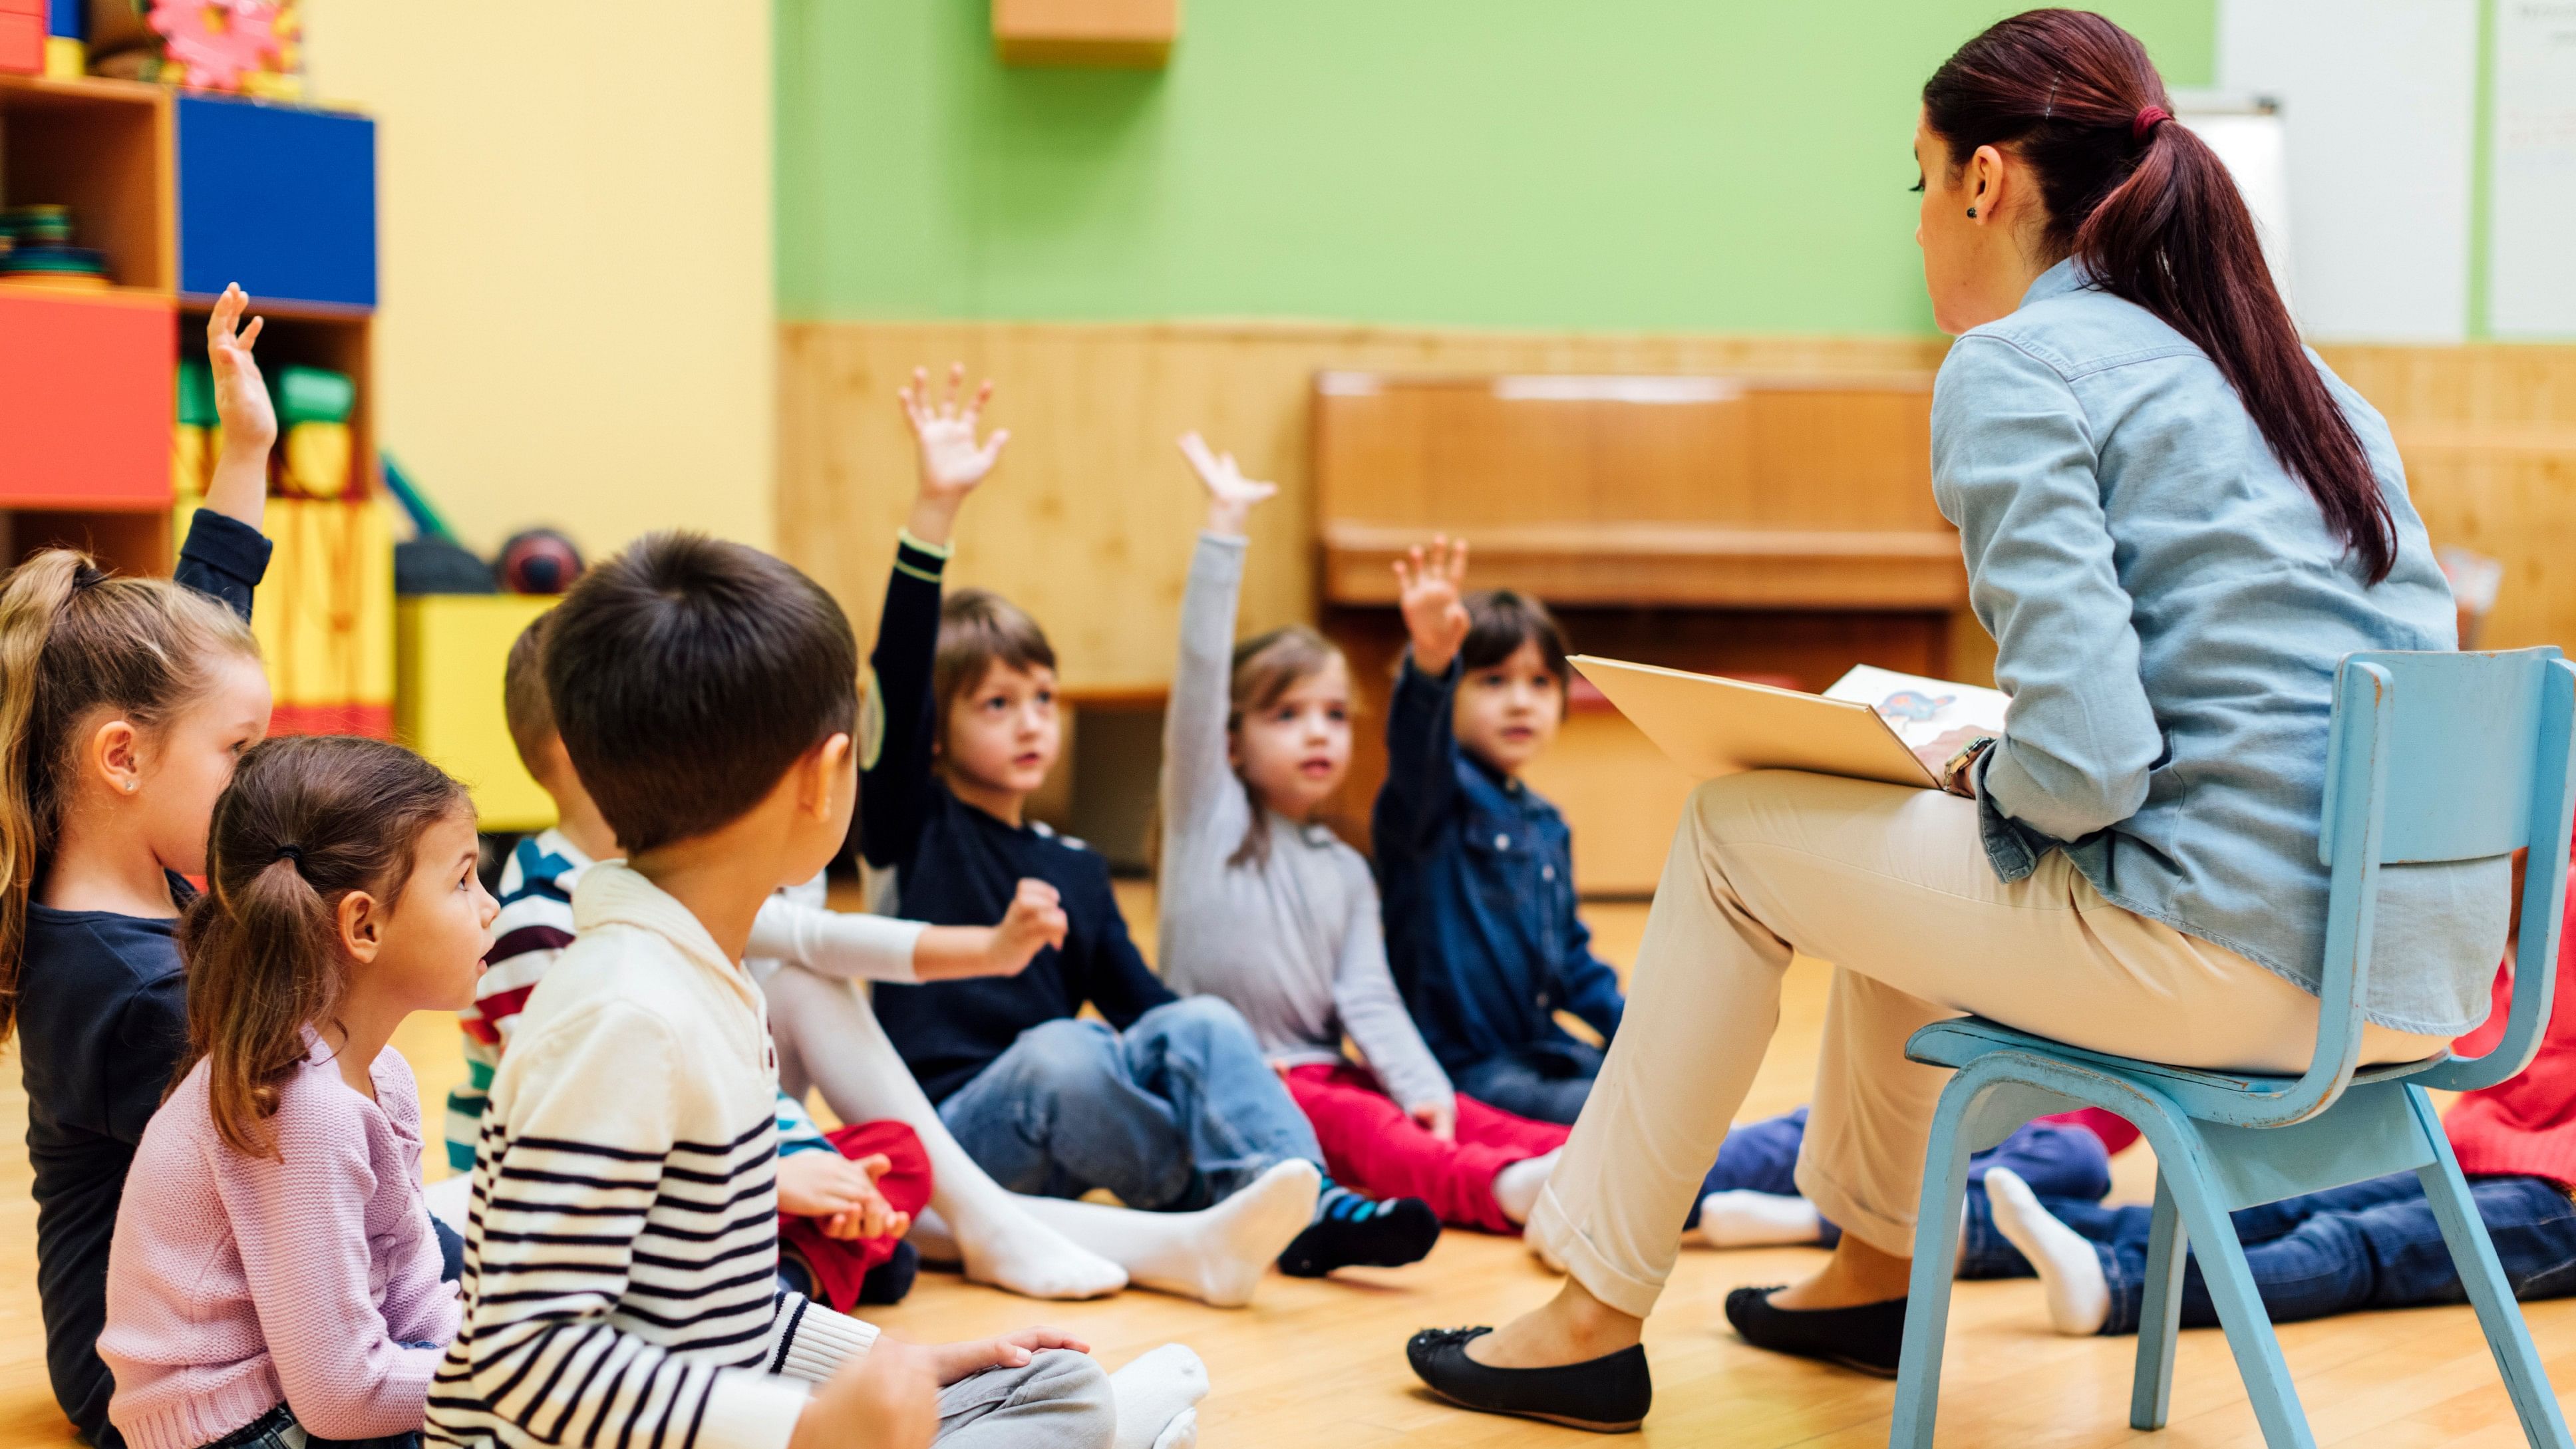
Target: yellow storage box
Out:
[449,650]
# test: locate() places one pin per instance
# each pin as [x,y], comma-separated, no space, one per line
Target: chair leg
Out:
[1936,1260]
[2231,1289]
[2160,1314]
[2473,1253]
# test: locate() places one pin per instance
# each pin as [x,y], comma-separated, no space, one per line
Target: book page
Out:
[1924,711]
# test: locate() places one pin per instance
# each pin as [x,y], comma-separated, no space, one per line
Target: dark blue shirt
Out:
[955,865]
[102,1018]
[1478,875]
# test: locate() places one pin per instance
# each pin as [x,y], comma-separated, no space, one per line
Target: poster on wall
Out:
[2532,242]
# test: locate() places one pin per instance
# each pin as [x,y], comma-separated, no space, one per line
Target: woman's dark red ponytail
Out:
[2152,215]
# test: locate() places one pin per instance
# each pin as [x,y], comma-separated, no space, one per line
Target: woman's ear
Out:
[115,755]
[361,924]
[1984,184]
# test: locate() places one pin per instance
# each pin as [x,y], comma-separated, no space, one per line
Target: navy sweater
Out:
[102,1018]
[955,865]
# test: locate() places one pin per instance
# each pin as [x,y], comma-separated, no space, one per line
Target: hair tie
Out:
[87,576]
[290,852]
[2147,121]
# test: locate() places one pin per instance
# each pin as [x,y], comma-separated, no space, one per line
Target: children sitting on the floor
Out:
[1168,1104]
[2373,1244]
[620,1268]
[124,703]
[274,1276]
[1478,870]
[1264,906]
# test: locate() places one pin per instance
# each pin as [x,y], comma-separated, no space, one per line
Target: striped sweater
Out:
[620,1265]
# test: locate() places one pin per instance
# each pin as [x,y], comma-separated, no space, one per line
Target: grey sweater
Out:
[1294,943]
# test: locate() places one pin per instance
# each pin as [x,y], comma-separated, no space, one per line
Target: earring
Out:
[1972,212]
[129,787]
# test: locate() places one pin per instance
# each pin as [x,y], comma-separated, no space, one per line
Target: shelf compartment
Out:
[85,400]
[100,148]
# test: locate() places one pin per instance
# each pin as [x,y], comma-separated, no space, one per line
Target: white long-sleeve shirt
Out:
[1293,942]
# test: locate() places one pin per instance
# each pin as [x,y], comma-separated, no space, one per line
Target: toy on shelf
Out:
[39,251]
[66,39]
[313,406]
[538,561]
[22,36]
[193,441]
[431,561]
[247,47]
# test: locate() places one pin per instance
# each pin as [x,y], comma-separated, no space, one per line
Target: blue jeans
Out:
[277,1429]
[1179,1111]
[1544,1081]
[2370,1245]
[2058,1160]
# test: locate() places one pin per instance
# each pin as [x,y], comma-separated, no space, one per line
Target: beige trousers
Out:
[1892,886]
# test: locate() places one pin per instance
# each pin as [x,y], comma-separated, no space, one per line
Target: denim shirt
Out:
[2169,608]
[1478,876]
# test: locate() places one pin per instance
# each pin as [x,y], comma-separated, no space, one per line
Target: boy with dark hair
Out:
[1170,1104]
[620,1283]
[1478,868]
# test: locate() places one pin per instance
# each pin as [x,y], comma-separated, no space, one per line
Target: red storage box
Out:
[85,400]
[22,36]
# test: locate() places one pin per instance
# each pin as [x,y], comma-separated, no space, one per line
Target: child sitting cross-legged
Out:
[275,1278]
[621,1255]
[1168,1104]
[1264,906]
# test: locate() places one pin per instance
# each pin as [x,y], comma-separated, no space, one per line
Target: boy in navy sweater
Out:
[1170,1106]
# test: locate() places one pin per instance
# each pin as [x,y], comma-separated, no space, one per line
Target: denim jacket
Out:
[2169,608]
[1478,877]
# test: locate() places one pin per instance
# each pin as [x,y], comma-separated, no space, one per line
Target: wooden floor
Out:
[1321,1363]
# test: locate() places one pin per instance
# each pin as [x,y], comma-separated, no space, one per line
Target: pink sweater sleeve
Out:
[301,1225]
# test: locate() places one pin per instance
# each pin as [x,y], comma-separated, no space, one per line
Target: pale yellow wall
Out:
[575,222]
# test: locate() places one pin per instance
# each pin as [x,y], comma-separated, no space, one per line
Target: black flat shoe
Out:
[1867,1339]
[1609,1395]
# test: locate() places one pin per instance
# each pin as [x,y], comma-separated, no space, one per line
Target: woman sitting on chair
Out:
[2176,522]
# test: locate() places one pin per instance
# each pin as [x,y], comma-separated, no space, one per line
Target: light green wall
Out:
[1661,165]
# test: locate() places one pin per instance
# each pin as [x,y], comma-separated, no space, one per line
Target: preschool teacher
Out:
[2176,522]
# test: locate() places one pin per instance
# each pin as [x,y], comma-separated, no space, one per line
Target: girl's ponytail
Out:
[29,604]
[304,822]
[75,639]
[2151,214]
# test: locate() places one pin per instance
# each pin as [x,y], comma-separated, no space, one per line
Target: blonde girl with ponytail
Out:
[340,898]
[124,705]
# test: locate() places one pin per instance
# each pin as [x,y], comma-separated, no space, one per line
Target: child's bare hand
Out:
[1035,921]
[241,398]
[842,1193]
[1440,1119]
[953,1361]
[1231,496]
[1427,590]
[887,1400]
[952,462]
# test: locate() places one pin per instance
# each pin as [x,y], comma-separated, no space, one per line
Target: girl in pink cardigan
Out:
[273,1279]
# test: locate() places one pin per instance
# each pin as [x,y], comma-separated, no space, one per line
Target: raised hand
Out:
[1036,920]
[1231,496]
[1427,591]
[951,461]
[239,484]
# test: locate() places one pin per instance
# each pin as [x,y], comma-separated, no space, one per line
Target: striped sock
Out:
[1354,1231]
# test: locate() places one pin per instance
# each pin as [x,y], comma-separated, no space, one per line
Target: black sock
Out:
[794,1276]
[1351,1231]
[890,1280]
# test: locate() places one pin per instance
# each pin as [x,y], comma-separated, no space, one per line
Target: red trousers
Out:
[840,1264]
[1371,1145]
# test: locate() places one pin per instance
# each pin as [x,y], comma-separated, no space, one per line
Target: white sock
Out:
[1516,1187]
[2079,1298]
[1216,1255]
[1742,1219]
[1158,1397]
[825,1029]
[451,1200]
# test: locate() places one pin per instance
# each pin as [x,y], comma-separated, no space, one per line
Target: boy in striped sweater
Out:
[623,1243]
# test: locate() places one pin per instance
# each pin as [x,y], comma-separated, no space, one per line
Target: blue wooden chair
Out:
[2432,757]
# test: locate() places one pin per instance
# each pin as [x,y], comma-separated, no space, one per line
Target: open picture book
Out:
[1872,724]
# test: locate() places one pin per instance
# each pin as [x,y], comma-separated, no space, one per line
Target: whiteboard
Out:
[2531,274]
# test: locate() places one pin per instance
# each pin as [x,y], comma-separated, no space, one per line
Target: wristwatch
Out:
[1953,769]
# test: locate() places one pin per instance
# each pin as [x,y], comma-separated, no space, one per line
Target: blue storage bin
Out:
[281,199]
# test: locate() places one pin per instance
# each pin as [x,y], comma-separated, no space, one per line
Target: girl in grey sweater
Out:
[1266,907]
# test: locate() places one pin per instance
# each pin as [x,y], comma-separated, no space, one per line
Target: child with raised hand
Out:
[124,703]
[1167,1103]
[620,1277]
[1479,870]
[1265,907]
[275,1277]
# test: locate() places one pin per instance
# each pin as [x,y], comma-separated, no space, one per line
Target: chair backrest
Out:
[2441,757]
